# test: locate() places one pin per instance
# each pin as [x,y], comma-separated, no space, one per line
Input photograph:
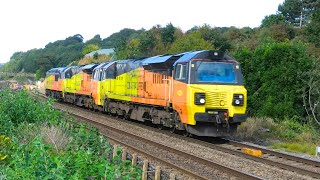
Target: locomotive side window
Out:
[96,74]
[68,74]
[56,77]
[181,72]
[110,72]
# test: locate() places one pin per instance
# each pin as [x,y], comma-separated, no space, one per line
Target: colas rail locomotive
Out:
[197,92]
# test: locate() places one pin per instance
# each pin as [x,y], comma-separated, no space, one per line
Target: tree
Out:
[298,12]
[96,40]
[147,43]
[190,42]
[273,20]
[214,36]
[90,48]
[167,34]
[311,93]
[277,75]
[119,39]
[313,29]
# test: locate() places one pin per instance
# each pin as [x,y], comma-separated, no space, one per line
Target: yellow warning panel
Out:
[252,152]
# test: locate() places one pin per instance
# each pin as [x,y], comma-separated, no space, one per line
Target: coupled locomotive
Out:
[197,92]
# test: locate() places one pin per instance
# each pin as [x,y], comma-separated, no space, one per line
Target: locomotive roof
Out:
[55,70]
[88,68]
[204,54]
[108,65]
[67,68]
[156,59]
[102,65]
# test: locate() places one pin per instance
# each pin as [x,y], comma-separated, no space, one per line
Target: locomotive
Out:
[198,92]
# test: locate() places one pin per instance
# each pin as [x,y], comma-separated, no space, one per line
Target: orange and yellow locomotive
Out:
[198,92]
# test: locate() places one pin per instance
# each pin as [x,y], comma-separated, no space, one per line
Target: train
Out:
[198,93]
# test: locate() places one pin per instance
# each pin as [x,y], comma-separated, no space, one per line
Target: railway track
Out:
[280,160]
[288,162]
[165,148]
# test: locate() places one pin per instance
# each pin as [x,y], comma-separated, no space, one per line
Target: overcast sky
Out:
[28,24]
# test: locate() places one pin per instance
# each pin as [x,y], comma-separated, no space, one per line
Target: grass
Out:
[39,142]
[306,148]
[288,134]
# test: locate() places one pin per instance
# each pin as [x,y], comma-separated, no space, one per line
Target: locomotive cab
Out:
[215,97]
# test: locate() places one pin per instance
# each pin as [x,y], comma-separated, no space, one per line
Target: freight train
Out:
[198,92]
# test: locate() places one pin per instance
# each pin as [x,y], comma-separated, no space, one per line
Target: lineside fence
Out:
[149,171]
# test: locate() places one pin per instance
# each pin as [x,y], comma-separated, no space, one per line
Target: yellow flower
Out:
[3,157]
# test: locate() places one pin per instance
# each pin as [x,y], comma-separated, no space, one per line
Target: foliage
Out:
[5,147]
[289,134]
[214,36]
[45,145]
[38,74]
[273,76]
[313,29]
[297,12]
[20,107]
[190,42]
[89,48]
[167,34]
[272,20]
[95,59]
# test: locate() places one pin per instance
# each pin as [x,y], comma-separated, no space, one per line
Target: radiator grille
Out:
[214,99]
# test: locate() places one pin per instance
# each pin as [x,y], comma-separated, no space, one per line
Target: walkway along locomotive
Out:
[198,92]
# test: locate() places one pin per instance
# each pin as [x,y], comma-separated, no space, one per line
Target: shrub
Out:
[274,75]
[45,145]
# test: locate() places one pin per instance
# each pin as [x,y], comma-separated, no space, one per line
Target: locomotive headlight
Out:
[238,100]
[199,98]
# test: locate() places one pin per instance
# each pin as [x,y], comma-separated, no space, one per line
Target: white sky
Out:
[28,24]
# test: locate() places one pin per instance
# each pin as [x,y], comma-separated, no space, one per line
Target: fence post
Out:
[115,147]
[172,176]
[124,155]
[134,160]
[145,170]
[158,172]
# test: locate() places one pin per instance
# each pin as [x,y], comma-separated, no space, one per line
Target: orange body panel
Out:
[152,89]
[179,99]
[85,84]
[95,91]
[57,85]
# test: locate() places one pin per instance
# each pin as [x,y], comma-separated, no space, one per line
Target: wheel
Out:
[173,129]
[185,133]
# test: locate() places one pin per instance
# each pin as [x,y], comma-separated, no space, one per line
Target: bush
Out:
[16,108]
[45,145]
[274,75]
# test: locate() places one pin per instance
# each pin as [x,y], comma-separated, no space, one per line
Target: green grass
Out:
[307,148]
[287,134]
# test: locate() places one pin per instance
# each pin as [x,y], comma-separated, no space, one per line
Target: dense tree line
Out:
[280,58]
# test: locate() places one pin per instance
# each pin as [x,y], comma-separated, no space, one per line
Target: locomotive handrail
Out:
[165,94]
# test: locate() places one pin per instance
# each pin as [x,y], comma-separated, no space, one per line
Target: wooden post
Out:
[157,174]
[172,176]
[134,160]
[145,170]
[115,147]
[124,155]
